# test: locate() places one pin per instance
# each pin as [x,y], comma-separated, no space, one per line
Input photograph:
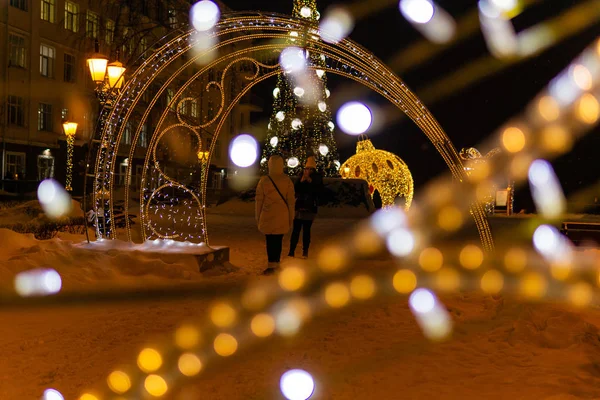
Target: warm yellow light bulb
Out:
[404,281]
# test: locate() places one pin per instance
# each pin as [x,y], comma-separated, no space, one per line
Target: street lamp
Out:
[107,77]
[70,129]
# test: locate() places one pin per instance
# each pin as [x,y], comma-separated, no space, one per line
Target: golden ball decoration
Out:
[385,172]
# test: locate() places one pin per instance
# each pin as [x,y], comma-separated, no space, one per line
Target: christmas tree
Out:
[301,124]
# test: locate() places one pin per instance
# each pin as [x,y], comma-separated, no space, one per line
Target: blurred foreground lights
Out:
[400,242]
[433,22]
[354,118]
[297,384]
[54,199]
[337,295]
[556,139]
[292,60]
[52,394]
[262,325]
[430,314]
[225,345]
[119,382]
[38,282]
[419,11]
[497,29]
[581,76]
[471,257]
[243,150]
[204,15]
[149,360]
[336,24]
[548,108]
[155,385]
[189,364]
[546,190]
[362,287]
[223,315]
[552,245]
[588,109]
[513,139]
[386,220]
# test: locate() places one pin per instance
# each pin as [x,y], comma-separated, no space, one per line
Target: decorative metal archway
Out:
[254,40]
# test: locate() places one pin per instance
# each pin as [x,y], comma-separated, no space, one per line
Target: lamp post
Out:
[70,129]
[109,77]
[203,158]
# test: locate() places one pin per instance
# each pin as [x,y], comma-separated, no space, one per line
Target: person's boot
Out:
[305,254]
[272,268]
[291,254]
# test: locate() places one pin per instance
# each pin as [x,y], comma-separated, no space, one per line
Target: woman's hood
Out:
[275,165]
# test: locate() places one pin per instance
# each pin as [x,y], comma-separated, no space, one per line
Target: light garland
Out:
[70,129]
[385,172]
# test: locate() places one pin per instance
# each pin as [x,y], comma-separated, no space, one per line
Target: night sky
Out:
[468,115]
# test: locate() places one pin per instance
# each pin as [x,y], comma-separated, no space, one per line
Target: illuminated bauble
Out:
[323,149]
[204,15]
[280,116]
[323,57]
[331,125]
[296,123]
[293,162]
[294,34]
[306,12]
[276,92]
[298,91]
[327,93]
[274,140]
[337,164]
[269,126]
[320,73]
[354,118]
[263,161]
[322,106]
[383,171]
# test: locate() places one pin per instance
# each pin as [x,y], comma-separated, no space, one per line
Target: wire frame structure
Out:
[258,40]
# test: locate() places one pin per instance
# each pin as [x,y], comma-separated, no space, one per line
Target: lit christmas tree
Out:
[301,124]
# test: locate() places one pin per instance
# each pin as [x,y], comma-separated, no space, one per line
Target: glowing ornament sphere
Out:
[297,384]
[296,123]
[298,91]
[293,162]
[293,60]
[276,92]
[383,171]
[327,93]
[280,116]
[419,11]
[306,12]
[320,73]
[274,140]
[323,149]
[331,125]
[337,164]
[263,161]
[322,106]
[204,15]
[354,118]
[243,150]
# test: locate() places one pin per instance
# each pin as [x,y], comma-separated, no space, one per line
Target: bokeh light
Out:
[546,190]
[422,301]
[149,360]
[52,394]
[588,109]
[119,382]
[362,287]
[297,384]
[155,385]
[404,281]
[400,242]
[187,337]
[293,60]
[262,325]
[337,295]
[419,11]
[225,344]
[223,315]
[336,24]
[189,364]
[354,118]
[204,15]
[431,259]
[548,108]
[38,282]
[243,150]
[54,199]
[513,139]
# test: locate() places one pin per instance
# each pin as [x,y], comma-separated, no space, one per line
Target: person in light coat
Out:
[275,202]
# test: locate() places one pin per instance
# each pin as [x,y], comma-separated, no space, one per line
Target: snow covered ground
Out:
[502,348]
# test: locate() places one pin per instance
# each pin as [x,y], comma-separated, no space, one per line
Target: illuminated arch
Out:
[260,38]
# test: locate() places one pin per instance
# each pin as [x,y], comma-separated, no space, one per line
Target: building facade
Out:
[44,81]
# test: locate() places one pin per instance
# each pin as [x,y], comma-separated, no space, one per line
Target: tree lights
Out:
[70,129]
[300,104]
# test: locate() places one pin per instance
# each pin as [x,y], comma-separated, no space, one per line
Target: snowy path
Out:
[501,348]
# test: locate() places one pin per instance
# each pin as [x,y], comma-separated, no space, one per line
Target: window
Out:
[16,111]
[69,68]
[173,18]
[144,136]
[71,16]
[110,31]
[64,113]
[45,164]
[92,25]
[47,61]
[48,10]
[17,52]
[45,117]
[127,133]
[20,4]
[170,96]
[194,110]
[15,165]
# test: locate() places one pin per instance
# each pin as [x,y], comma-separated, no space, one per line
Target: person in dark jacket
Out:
[307,190]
